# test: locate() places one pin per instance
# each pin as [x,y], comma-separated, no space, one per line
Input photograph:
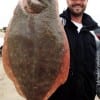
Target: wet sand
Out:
[7,89]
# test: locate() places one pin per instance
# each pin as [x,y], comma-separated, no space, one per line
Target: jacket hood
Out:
[87,21]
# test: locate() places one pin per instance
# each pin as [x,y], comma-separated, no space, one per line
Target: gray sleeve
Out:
[63,21]
[97,64]
[98,70]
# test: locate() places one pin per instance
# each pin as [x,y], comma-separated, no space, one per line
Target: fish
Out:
[36,53]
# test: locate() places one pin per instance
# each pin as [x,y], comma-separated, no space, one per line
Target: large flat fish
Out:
[36,51]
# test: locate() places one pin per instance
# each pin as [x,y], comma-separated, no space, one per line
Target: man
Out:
[81,83]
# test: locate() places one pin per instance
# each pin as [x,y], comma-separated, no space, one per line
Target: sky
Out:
[7,8]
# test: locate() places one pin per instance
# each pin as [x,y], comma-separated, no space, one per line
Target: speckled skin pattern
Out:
[36,51]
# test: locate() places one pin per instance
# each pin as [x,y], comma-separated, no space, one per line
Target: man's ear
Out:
[32,6]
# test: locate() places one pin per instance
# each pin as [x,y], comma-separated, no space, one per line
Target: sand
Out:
[7,89]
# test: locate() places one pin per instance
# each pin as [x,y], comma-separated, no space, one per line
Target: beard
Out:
[77,10]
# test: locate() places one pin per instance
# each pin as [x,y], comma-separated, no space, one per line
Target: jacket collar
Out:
[87,21]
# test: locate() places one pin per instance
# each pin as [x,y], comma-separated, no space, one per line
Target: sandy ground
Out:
[7,89]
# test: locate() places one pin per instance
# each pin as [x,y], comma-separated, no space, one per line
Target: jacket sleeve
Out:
[97,65]
[63,21]
[98,70]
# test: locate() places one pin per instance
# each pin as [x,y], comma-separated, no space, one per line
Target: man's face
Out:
[77,7]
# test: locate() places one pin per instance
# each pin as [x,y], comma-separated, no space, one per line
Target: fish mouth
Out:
[35,6]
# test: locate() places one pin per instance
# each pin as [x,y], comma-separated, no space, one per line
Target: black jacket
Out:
[82,45]
[81,80]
